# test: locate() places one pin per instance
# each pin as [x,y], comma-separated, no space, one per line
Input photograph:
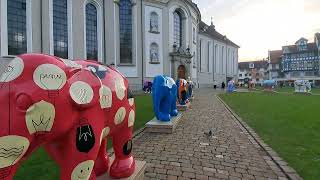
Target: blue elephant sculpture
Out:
[164,95]
[269,84]
[231,86]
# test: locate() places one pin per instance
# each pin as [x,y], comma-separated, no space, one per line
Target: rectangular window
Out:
[125,15]
[17,27]
[60,28]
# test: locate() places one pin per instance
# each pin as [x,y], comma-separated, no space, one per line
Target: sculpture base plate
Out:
[156,126]
[183,107]
[137,175]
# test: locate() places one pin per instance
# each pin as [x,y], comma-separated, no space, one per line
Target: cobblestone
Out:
[231,153]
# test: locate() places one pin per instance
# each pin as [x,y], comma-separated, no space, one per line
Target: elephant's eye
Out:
[23,101]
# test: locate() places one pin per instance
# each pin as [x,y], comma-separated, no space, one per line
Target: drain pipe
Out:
[142,45]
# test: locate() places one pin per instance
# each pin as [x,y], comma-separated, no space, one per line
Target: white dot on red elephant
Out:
[120,88]
[105,97]
[40,117]
[120,115]
[81,92]
[82,170]
[12,149]
[13,70]
[131,118]
[104,133]
[49,77]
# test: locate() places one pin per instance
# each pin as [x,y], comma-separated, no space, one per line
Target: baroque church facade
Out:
[141,38]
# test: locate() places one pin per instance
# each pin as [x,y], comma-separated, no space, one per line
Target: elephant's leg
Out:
[101,164]
[76,152]
[123,164]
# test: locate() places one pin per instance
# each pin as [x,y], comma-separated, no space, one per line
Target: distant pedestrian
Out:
[223,85]
[215,84]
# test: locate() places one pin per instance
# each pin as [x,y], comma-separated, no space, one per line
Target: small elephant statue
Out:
[231,86]
[164,95]
[182,91]
[269,84]
[69,107]
[190,88]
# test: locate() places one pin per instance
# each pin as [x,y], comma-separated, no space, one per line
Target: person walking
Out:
[223,85]
[215,84]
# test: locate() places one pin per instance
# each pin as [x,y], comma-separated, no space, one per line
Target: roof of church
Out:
[275,56]
[211,31]
[257,64]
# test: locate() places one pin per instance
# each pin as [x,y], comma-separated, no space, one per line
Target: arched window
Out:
[177,29]
[125,15]
[17,27]
[91,31]
[154,53]
[60,28]
[154,22]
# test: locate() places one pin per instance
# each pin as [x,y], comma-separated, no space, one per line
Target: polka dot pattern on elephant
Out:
[82,171]
[120,115]
[13,70]
[49,77]
[81,92]
[40,117]
[120,88]
[105,97]
[104,133]
[131,118]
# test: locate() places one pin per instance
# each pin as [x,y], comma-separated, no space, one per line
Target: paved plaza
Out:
[191,153]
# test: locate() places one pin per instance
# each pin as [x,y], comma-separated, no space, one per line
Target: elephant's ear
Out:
[84,88]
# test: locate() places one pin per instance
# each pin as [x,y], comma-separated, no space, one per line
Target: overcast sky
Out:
[259,25]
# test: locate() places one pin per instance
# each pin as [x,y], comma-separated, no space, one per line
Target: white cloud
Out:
[262,24]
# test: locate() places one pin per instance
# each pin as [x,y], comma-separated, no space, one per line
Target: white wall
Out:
[153,70]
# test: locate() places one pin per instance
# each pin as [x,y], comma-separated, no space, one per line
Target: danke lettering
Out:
[50,76]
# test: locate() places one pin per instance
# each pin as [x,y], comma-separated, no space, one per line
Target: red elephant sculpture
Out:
[69,107]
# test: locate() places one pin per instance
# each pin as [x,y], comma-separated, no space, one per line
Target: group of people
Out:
[215,84]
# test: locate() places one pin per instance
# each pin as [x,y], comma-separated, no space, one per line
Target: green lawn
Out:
[291,89]
[290,124]
[39,166]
